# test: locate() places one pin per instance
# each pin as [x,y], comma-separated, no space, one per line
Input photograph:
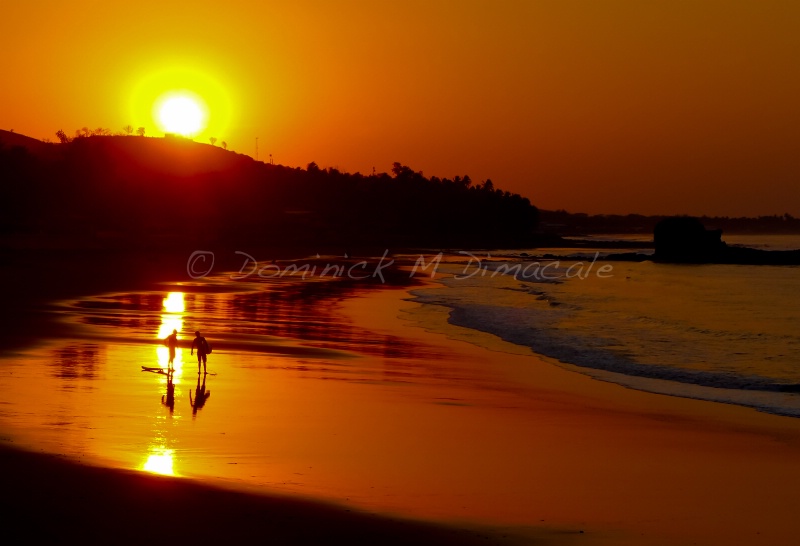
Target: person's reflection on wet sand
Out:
[200,395]
[169,398]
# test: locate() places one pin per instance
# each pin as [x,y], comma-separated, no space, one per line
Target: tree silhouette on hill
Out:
[165,191]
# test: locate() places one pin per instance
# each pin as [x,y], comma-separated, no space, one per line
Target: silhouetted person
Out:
[201,344]
[172,343]
[169,398]
[200,395]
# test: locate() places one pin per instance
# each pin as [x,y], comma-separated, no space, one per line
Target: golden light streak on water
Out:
[174,303]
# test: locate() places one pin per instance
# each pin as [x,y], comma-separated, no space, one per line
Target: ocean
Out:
[726,333]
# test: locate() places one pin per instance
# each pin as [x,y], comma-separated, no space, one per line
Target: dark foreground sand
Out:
[51,500]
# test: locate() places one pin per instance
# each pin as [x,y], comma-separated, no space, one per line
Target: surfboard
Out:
[152,369]
[165,370]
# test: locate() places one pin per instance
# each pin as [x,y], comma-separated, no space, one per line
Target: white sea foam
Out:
[717,332]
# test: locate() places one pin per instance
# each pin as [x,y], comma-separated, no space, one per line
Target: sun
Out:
[181,113]
[179,99]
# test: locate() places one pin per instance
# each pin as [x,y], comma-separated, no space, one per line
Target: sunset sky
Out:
[598,106]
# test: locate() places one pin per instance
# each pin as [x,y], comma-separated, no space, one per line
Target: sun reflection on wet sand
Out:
[162,357]
[172,322]
[174,303]
[168,324]
[160,462]
[161,459]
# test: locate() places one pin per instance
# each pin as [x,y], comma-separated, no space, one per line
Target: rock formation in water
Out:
[683,239]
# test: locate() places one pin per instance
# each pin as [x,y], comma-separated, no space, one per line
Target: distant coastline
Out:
[578,224]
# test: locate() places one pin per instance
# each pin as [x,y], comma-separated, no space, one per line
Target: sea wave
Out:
[708,360]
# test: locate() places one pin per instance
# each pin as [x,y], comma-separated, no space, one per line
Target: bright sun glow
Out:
[167,99]
[182,114]
[160,463]
[174,303]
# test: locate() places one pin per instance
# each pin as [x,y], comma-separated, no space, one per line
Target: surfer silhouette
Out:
[203,349]
[200,395]
[172,343]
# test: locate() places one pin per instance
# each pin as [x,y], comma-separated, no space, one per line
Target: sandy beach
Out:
[463,437]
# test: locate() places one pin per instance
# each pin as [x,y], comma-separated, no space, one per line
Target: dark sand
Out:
[48,499]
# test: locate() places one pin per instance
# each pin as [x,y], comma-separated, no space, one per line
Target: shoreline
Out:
[615,334]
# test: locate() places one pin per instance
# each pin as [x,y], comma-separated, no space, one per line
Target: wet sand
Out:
[491,437]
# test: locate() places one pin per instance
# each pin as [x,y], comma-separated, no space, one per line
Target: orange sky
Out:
[656,107]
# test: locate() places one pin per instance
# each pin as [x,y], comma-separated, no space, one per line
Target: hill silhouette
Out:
[130,191]
[10,139]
